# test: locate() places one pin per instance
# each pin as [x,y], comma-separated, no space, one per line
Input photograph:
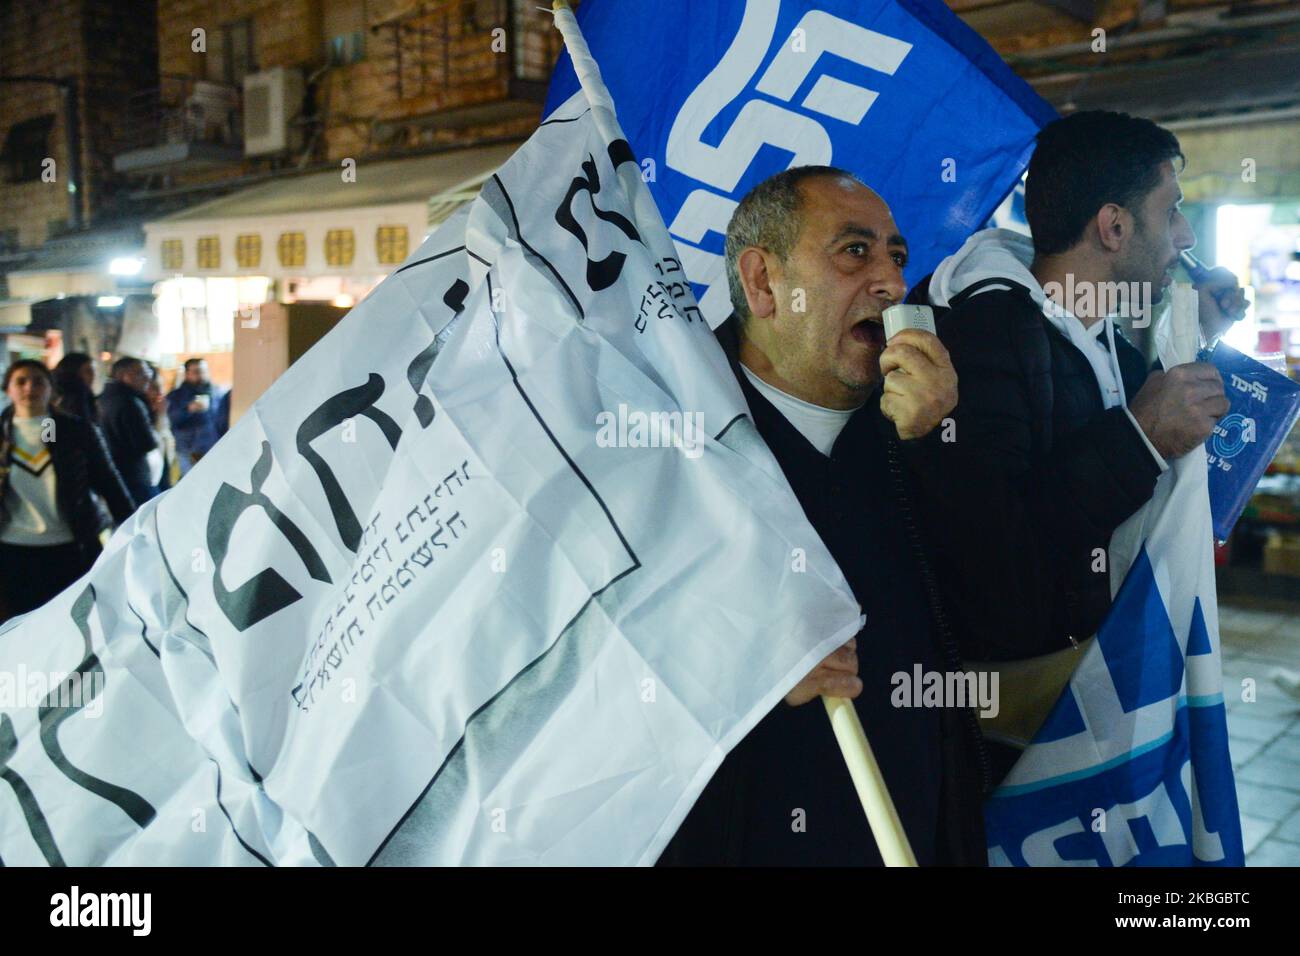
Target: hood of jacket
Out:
[1003,254]
[989,254]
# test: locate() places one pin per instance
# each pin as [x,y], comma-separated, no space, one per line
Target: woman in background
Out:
[49,464]
[74,387]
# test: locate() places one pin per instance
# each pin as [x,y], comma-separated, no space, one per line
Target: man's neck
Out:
[756,360]
[1063,278]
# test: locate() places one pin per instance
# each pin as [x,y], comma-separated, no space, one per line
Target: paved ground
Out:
[1264,734]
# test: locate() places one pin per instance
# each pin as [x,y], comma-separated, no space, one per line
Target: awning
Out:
[1242,162]
[15,314]
[359,221]
[76,264]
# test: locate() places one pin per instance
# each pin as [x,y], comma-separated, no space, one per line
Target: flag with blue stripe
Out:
[715,97]
[1131,766]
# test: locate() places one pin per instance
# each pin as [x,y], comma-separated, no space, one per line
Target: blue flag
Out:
[716,97]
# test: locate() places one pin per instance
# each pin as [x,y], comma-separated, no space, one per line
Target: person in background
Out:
[194,408]
[74,387]
[163,458]
[128,425]
[50,463]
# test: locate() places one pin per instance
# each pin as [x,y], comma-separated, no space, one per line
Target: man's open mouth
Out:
[869,332]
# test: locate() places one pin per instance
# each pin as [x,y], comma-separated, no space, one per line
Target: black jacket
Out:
[128,429]
[1021,505]
[76,398]
[783,796]
[81,465]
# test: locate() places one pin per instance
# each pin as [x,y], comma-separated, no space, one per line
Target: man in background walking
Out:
[128,426]
[194,409]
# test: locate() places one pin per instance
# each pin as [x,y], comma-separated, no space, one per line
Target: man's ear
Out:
[1114,225]
[757,282]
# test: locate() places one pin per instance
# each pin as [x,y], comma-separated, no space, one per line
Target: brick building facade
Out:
[377,77]
[108,49]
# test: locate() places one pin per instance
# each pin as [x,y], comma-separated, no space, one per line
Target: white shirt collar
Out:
[820,425]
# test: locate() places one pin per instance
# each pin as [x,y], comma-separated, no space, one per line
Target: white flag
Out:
[496,573]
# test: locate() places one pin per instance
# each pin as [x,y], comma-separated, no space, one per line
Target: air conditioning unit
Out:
[272,101]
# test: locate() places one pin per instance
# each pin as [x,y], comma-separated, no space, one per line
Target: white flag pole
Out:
[867,779]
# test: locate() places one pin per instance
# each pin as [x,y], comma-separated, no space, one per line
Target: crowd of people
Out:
[73,464]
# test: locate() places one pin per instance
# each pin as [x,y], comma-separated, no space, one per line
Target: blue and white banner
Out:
[715,97]
[1131,766]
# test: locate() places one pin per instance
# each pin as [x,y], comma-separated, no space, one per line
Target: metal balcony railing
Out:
[440,47]
[183,109]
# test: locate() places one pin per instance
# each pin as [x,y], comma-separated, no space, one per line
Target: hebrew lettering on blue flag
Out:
[1131,767]
[715,98]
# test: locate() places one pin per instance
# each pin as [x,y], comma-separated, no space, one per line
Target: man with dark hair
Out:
[128,425]
[813,257]
[194,409]
[1061,432]
[1087,161]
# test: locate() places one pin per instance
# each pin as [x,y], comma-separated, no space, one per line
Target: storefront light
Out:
[171,315]
[126,266]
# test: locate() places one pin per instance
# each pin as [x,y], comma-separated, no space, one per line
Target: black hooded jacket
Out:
[128,428]
[1021,505]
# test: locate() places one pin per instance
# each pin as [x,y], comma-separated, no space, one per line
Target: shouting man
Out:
[813,258]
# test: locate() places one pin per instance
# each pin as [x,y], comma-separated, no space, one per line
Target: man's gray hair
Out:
[768,217]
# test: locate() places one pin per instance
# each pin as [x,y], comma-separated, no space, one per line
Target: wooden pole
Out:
[894,847]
